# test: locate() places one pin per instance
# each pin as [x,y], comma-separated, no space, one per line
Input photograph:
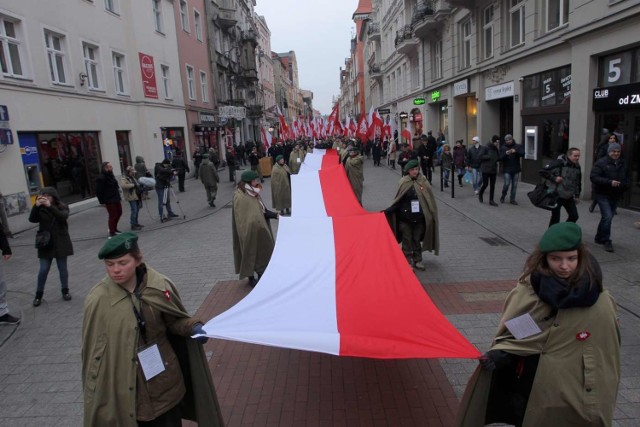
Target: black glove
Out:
[494,359]
[486,362]
[197,329]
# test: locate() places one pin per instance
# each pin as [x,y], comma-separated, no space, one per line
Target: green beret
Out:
[119,245]
[413,163]
[279,157]
[249,175]
[563,236]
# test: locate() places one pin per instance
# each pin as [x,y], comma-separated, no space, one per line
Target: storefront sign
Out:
[435,96]
[207,118]
[617,97]
[419,101]
[384,110]
[148,72]
[503,90]
[461,87]
[231,112]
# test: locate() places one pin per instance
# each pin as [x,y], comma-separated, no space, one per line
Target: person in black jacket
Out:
[564,174]
[489,166]
[510,155]
[609,180]
[181,167]
[163,174]
[51,215]
[474,164]
[197,160]
[5,317]
[108,193]
[426,152]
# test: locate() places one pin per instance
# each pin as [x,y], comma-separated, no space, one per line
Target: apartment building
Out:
[103,86]
[554,73]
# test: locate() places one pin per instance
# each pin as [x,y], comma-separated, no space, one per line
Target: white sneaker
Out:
[420,266]
[476,192]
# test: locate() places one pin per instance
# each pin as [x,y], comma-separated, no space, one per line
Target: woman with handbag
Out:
[565,174]
[52,240]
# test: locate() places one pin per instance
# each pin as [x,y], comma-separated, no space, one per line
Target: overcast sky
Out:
[319,31]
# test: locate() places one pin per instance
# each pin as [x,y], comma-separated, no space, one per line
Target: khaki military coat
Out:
[280,188]
[209,174]
[354,167]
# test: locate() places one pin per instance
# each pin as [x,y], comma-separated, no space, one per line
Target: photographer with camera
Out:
[164,174]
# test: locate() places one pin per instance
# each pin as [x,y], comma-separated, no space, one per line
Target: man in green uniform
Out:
[210,179]
[413,215]
[354,166]
[296,158]
[281,187]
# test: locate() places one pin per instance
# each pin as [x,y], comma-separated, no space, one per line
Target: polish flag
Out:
[266,137]
[363,128]
[407,133]
[337,301]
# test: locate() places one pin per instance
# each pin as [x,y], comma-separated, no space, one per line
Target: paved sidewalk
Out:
[482,252]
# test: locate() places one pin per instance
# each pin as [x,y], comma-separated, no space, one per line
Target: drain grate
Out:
[495,241]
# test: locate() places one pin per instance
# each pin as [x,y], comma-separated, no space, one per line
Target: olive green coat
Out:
[252,236]
[576,381]
[209,174]
[431,238]
[280,188]
[109,346]
[354,167]
[295,161]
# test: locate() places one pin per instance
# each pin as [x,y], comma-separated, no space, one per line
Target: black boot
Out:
[65,294]
[38,299]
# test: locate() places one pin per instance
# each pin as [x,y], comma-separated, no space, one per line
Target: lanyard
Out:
[139,318]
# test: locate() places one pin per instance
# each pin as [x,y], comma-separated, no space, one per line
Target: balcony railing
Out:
[373,30]
[427,17]
[226,17]
[405,41]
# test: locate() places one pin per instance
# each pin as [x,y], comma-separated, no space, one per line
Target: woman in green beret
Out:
[139,365]
[253,240]
[555,359]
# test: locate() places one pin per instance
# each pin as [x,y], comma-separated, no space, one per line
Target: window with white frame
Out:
[55,45]
[436,66]
[197,23]
[191,84]
[487,32]
[516,22]
[557,13]
[204,87]
[164,77]
[184,15]
[119,73]
[11,48]
[157,15]
[465,44]
[111,6]
[91,65]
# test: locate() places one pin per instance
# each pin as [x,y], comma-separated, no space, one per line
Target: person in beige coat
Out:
[555,360]
[132,192]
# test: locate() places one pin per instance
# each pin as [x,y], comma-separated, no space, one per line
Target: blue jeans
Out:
[477,179]
[133,204]
[4,309]
[160,194]
[510,180]
[45,265]
[607,207]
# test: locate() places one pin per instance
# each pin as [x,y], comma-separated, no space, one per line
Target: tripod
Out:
[166,202]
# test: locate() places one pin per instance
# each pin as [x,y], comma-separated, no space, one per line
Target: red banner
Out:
[148,72]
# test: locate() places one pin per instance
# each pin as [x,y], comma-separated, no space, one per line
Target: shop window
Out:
[547,89]
[11,47]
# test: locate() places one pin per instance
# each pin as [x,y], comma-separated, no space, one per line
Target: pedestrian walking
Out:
[108,194]
[426,153]
[140,366]
[446,163]
[132,192]
[254,161]
[609,181]
[475,163]
[179,164]
[564,174]
[555,360]
[460,160]
[51,216]
[253,240]
[210,179]
[197,161]
[510,155]
[281,186]
[601,151]
[5,317]
[489,166]
[164,174]
[413,216]
[4,222]
[295,159]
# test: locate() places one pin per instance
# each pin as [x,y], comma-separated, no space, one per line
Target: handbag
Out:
[544,197]
[43,238]
[468,177]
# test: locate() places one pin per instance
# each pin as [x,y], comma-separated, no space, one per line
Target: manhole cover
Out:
[494,241]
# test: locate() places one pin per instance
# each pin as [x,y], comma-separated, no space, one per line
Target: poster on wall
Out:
[15,204]
[148,73]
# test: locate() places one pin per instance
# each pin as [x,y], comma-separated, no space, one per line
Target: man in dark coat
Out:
[489,166]
[210,179]
[108,194]
[181,167]
[510,155]
[609,179]
[197,160]
[564,174]
[426,152]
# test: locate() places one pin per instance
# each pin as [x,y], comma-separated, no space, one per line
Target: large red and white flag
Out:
[336,303]
[362,129]
[407,133]
[375,125]
[265,136]
[284,129]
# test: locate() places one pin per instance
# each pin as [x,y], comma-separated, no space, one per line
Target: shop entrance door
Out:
[633,162]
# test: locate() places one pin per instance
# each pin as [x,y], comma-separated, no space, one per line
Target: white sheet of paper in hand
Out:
[522,326]
[151,361]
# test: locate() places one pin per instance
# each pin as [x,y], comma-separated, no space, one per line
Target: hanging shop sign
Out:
[148,73]
[231,112]
[503,90]
[419,101]
[617,97]
[435,96]
[384,110]
[461,87]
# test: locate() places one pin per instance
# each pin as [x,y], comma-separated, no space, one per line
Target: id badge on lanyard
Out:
[415,206]
[150,361]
